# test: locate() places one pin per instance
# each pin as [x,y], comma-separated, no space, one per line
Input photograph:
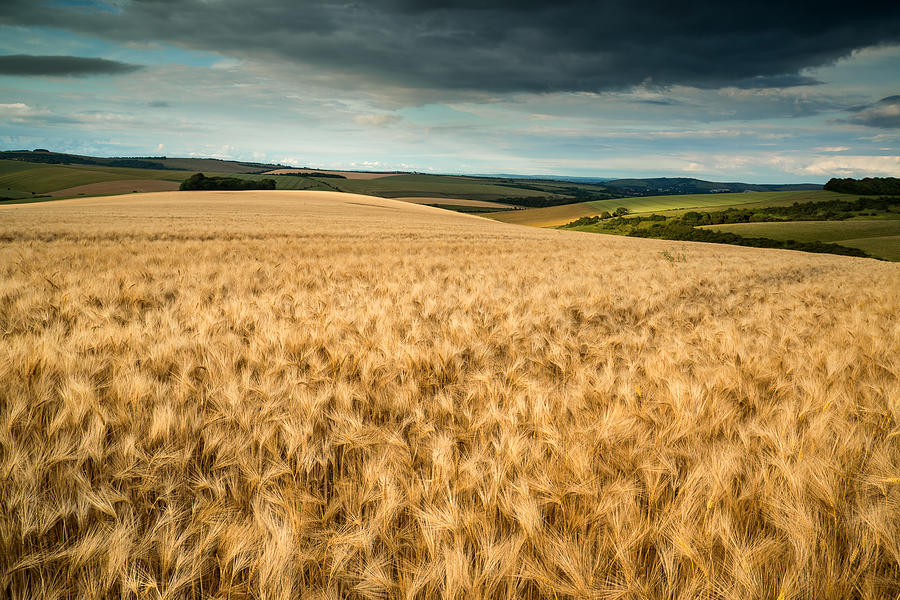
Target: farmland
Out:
[343,174]
[397,186]
[564,200]
[457,202]
[311,394]
[119,186]
[821,226]
[36,178]
[881,237]
[554,216]
[24,179]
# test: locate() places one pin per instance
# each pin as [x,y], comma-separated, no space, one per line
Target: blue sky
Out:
[835,116]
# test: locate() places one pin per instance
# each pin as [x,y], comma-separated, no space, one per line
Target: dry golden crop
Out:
[307,395]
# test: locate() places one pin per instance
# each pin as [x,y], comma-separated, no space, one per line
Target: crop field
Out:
[553,216]
[39,178]
[347,174]
[277,395]
[879,237]
[122,186]
[206,165]
[887,247]
[399,186]
[20,179]
[457,202]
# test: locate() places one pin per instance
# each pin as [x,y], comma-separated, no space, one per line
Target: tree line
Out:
[827,210]
[870,186]
[689,226]
[198,181]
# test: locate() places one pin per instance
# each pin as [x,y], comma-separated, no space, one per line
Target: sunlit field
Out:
[554,216]
[276,395]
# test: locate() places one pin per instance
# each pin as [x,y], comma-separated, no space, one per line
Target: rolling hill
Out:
[518,191]
[560,215]
[21,179]
[879,237]
[141,162]
[687,185]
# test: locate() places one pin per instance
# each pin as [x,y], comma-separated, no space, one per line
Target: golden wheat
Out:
[289,395]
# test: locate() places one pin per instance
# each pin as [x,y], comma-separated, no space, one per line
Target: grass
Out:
[14,166]
[31,177]
[880,237]
[10,194]
[466,208]
[396,186]
[194,165]
[23,178]
[299,395]
[456,202]
[560,215]
[887,247]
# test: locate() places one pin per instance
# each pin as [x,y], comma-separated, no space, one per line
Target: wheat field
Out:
[273,395]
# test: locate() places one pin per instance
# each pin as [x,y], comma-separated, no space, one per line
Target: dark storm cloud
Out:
[514,45]
[68,66]
[884,114]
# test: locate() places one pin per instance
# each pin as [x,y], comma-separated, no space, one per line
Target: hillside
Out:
[880,237]
[554,216]
[407,185]
[142,162]
[22,181]
[291,394]
[687,185]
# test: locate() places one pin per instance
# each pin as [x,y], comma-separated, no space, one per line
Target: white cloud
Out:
[855,166]
[376,120]
[226,64]
[832,148]
[20,111]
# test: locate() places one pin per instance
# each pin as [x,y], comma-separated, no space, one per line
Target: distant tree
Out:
[691,217]
[199,182]
[621,211]
[317,174]
[869,186]
[605,215]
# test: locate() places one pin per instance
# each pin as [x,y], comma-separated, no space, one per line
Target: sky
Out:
[761,92]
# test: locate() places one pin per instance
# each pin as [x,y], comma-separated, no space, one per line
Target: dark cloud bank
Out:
[521,45]
[68,66]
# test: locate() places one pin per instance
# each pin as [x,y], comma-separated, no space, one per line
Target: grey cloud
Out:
[61,66]
[884,114]
[159,104]
[776,81]
[660,101]
[507,46]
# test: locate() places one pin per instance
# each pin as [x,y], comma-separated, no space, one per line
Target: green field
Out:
[212,164]
[878,237]
[20,179]
[437,186]
[560,215]
[23,179]
[887,247]
[399,186]
[27,177]
[14,166]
